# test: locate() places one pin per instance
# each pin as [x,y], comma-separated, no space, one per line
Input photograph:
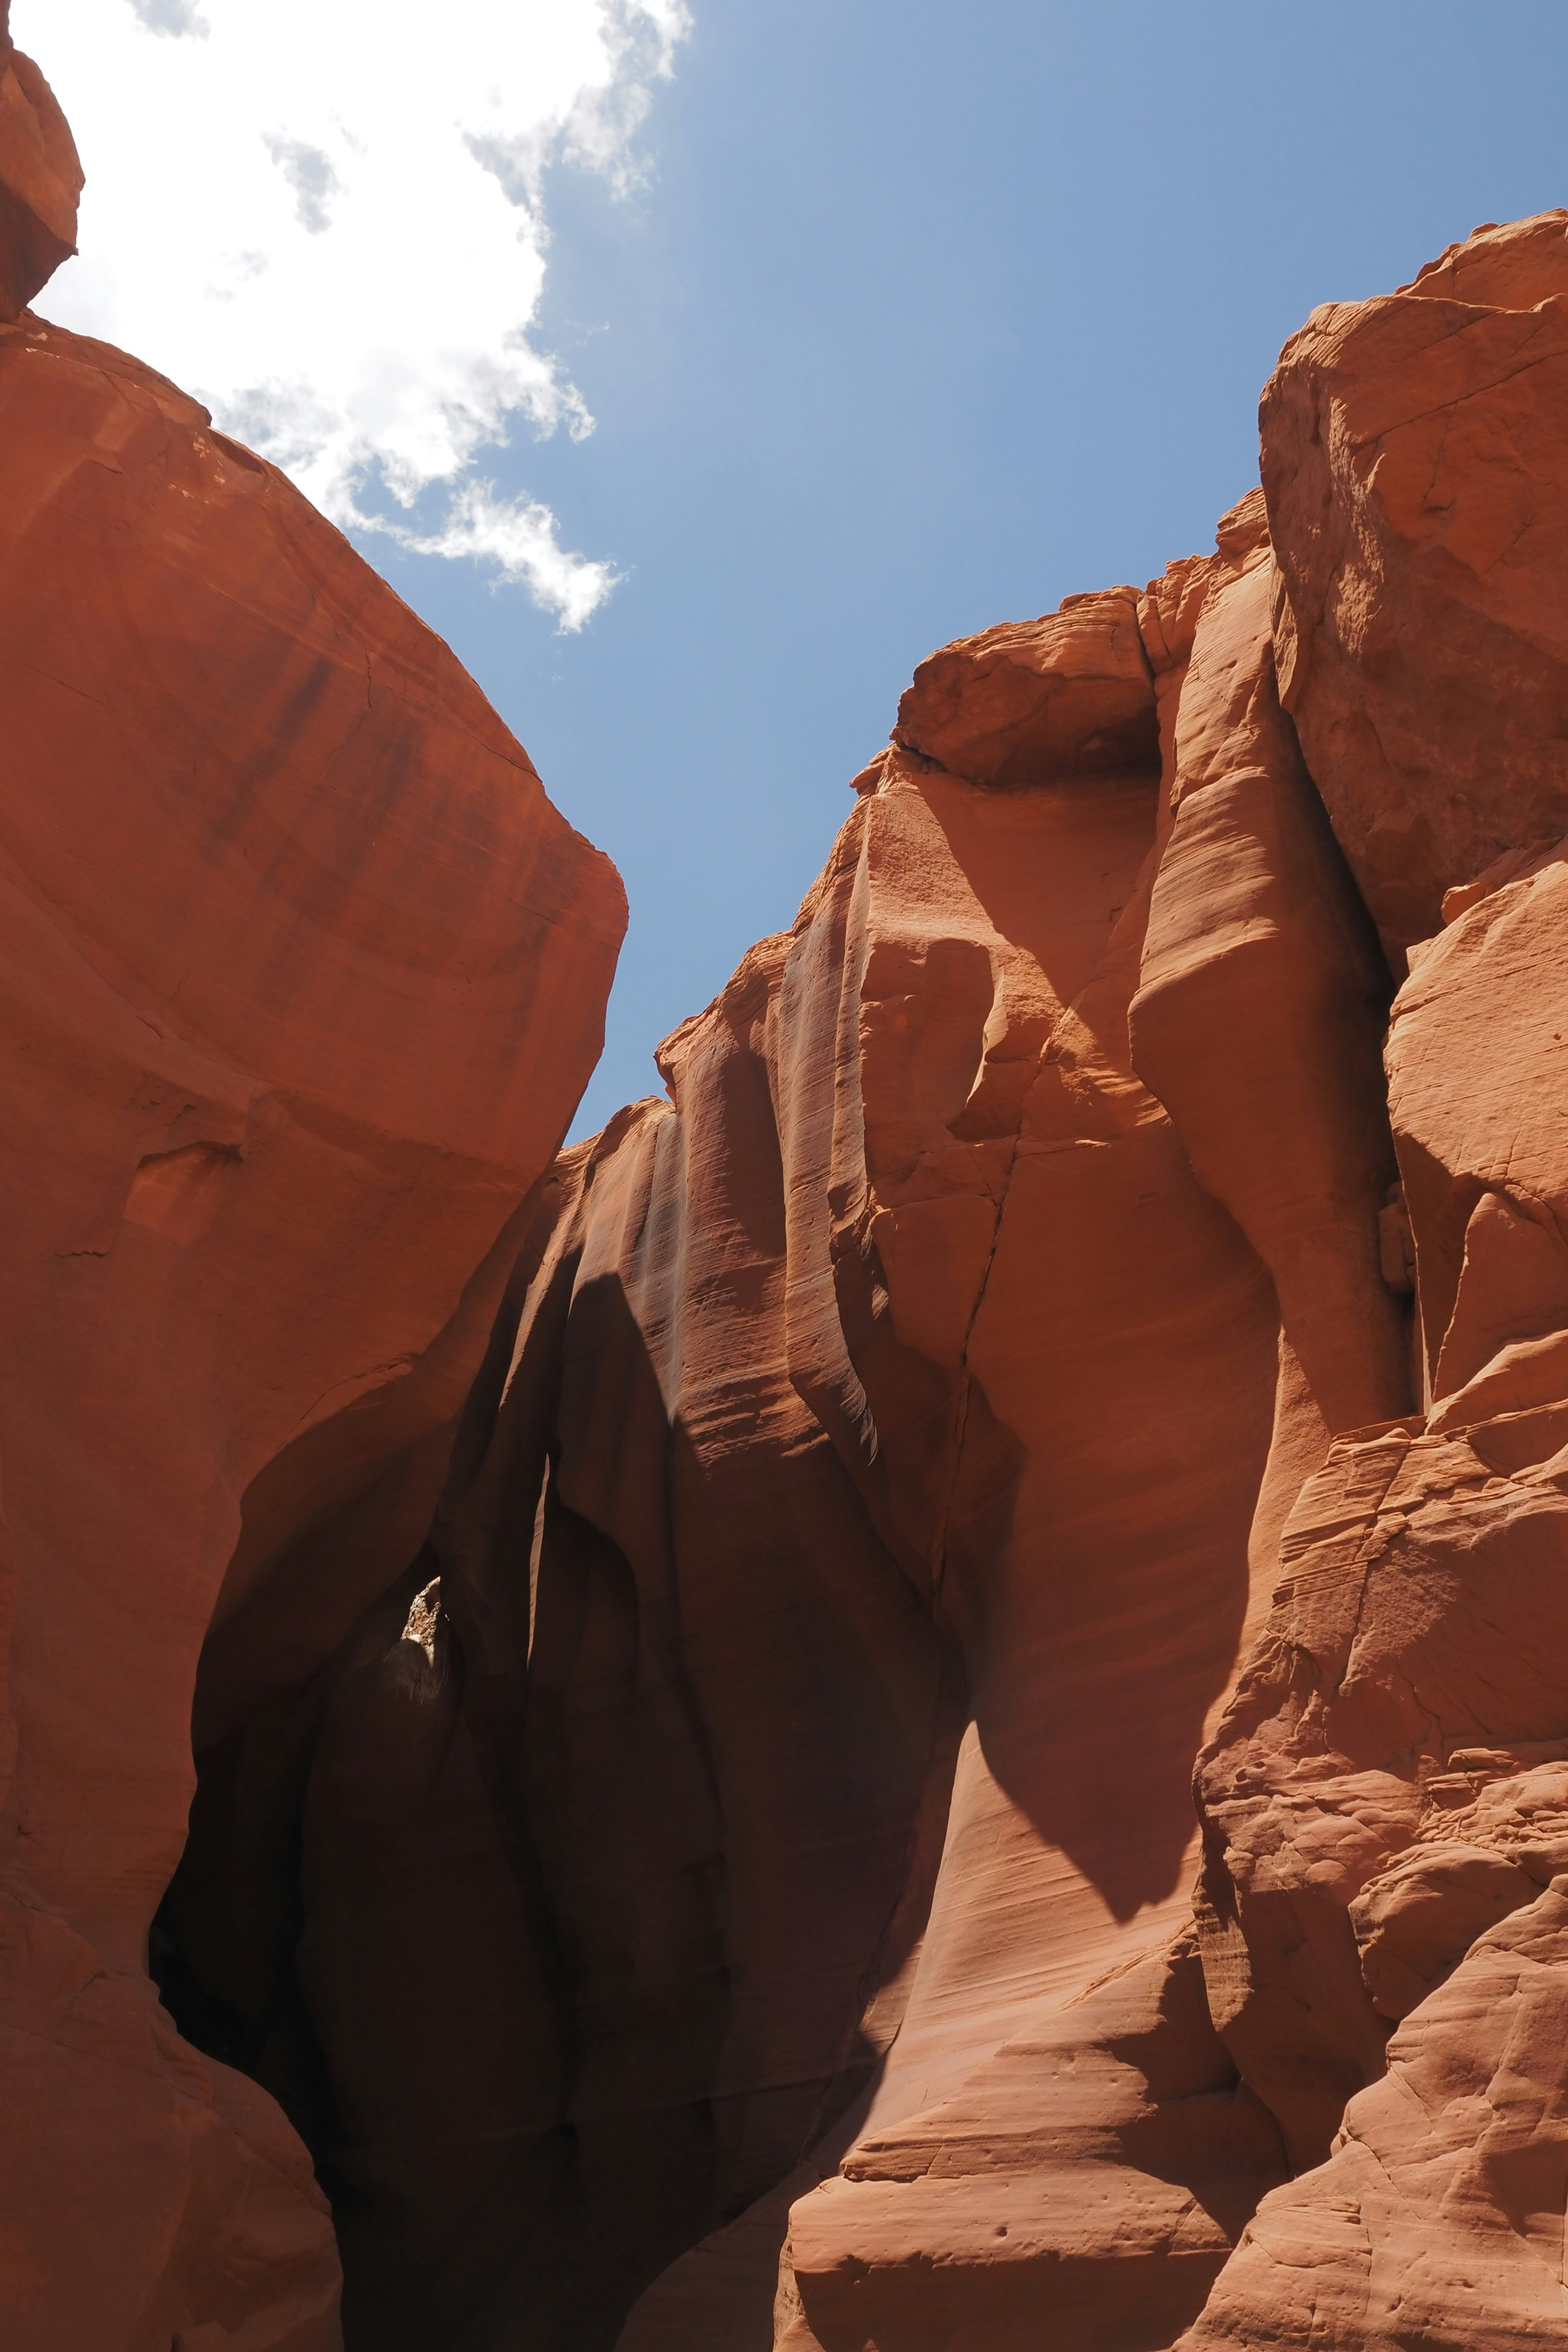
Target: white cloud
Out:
[325,218]
[518,536]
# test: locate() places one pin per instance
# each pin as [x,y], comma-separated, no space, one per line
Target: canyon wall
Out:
[301,977]
[918,1701]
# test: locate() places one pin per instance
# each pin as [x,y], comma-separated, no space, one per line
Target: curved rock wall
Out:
[882,1456]
[696,1655]
[301,977]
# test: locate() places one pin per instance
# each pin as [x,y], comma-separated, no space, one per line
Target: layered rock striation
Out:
[699,1655]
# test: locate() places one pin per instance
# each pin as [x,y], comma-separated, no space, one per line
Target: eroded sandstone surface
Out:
[301,977]
[918,1702]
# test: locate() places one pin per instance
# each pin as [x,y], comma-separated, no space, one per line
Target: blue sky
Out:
[923,317]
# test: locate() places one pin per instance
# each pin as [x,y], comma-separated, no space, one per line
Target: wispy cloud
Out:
[327,219]
[518,536]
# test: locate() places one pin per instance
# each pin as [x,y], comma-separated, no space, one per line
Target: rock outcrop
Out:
[1415,460]
[40,178]
[697,1654]
[301,977]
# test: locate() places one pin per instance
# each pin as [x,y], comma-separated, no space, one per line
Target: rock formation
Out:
[696,1655]
[301,977]
[40,178]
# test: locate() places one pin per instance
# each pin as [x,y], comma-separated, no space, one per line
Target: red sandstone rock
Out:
[40,178]
[1086,2183]
[1034,701]
[1416,464]
[1438,2220]
[1376,1791]
[1390,1773]
[1053,1228]
[788,1417]
[840,1343]
[723,1878]
[710,1706]
[1261,1000]
[1349,1873]
[957,1272]
[1416,1921]
[302,975]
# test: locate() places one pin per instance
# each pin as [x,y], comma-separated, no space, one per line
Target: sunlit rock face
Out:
[919,1702]
[301,977]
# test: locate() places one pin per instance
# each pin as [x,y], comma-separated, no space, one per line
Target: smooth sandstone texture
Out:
[1028,1351]
[661,1733]
[1382,1799]
[696,1655]
[1243,931]
[851,1538]
[301,977]
[804,1375]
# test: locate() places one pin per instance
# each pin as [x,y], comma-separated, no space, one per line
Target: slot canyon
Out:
[918,1702]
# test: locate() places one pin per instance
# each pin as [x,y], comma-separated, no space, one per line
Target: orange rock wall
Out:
[1359,736]
[301,977]
[883,1459]
[695,1656]
[1383,1802]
